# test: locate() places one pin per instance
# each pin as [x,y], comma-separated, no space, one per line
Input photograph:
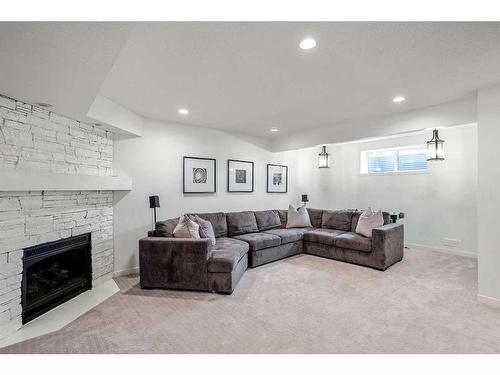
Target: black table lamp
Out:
[304,199]
[154,201]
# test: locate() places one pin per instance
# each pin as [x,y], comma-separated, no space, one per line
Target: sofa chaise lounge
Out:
[252,238]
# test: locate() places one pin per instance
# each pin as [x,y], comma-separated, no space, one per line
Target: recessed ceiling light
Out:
[44,105]
[183,111]
[307,43]
[398,99]
[274,130]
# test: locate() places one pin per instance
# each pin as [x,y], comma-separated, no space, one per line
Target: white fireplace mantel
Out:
[28,180]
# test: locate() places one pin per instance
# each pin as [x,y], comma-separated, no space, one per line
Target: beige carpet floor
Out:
[305,304]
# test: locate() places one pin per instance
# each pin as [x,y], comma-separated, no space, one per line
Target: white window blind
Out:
[381,161]
[412,160]
[394,160]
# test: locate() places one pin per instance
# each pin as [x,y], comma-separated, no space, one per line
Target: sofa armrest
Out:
[388,243]
[176,263]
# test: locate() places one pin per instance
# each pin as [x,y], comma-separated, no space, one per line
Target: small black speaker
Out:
[304,198]
[154,201]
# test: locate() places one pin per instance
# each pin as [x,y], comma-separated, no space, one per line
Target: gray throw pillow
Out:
[206,228]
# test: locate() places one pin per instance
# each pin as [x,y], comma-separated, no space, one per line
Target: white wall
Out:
[115,118]
[154,161]
[438,204]
[488,193]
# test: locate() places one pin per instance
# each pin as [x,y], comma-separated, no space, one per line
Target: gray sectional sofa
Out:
[250,239]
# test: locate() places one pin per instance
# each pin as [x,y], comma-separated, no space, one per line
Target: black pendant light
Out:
[435,147]
[324,158]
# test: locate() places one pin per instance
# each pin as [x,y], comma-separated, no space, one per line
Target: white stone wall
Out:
[32,218]
[33,138]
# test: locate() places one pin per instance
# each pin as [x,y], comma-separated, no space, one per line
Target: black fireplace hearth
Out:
[55,272]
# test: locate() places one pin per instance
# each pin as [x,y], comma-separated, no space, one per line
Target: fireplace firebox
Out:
[55,272]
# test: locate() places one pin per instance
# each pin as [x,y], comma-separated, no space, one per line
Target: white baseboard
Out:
[490,301]
[468,254]
[129,271]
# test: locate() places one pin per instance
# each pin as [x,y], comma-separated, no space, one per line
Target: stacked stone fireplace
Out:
[33,138]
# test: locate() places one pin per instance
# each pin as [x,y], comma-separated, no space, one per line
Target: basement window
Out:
[411,159]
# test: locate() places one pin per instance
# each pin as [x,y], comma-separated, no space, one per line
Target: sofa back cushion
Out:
[166,228]
[316,217]
[218,221]
[338,219]
[355,219]
[283,217]
[241,223]
[387,217]
[267,220]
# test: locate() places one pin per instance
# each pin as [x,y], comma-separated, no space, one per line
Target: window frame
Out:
[363,161]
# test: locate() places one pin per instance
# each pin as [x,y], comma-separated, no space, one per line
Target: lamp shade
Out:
[154,201]
[435,147]
[323,158]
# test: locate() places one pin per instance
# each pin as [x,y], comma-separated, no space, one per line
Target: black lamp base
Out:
[154,202]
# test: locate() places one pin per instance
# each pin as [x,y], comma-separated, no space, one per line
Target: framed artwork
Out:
[199,175]
[239,176]
[277,178]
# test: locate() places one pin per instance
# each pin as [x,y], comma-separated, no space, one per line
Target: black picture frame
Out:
[184,159]
[228,177]
[267,179]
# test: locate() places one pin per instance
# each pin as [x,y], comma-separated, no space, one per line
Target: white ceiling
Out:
[249,77]
[61,63]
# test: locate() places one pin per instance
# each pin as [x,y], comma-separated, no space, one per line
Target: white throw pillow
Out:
[298,218]
[369,220]
[206,228]
[186,228]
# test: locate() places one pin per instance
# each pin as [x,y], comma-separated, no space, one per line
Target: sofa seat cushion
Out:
[225,243]
[323,236]
[259,241]
[226,254]
[354,241]
[289,235]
